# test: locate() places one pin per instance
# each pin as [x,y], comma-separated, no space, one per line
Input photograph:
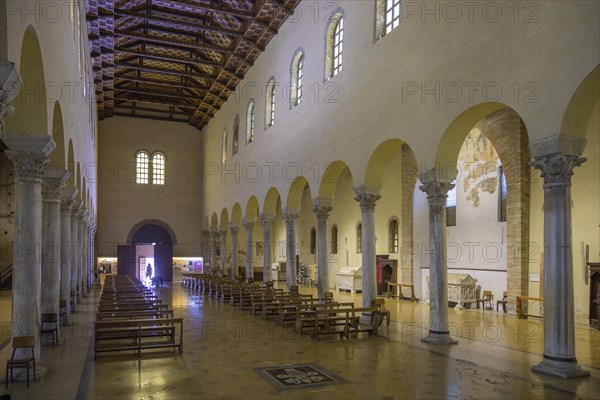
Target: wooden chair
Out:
[488,298]
[383,313]
[50,325]
[62,311]
[21,342]
[504,301]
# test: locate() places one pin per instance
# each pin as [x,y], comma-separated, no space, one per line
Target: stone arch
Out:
[581,106]
[214,221]
[252,209]
[131,236]
[57,157]
[224,224]
[31,113]
[70,164]
[330,179]
[270,204]
[294,198]
[507,132]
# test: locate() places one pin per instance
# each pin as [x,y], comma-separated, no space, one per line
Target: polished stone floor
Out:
[223,346]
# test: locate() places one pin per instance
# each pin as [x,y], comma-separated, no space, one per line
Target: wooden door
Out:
[126,260]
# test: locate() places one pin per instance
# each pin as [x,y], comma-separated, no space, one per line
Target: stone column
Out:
[367,197]
[234,229]
[223,237]
[75,259]
[290,216]
[322,207]
[68,195]
[249,226]
[81,251]
[91,259]
[437,192]
[52,187]
[266,220]
[556,157]
[214,234]
[30,155]
[84,236]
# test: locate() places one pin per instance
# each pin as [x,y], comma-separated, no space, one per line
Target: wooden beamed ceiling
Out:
[176,60]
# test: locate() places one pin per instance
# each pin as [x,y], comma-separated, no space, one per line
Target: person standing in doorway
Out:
[148,271]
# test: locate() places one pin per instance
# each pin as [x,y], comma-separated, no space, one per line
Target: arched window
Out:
[359,238]
[334,239]
[270,106]
[158,169]
[451,206]
[313,240]
[502,194]
[236,135]
[387,17]
[250,123]
[141,167]
[224,148]
[297,78]
[334,45]
[393,235]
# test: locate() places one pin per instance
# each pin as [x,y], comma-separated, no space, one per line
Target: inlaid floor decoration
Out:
[299,376]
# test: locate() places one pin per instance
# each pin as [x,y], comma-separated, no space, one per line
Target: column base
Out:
[438,338]
[560,369]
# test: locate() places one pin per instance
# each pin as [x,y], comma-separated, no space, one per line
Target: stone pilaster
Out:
[290,216]
[322,208]
[266,220]
[234,229]
[223,238]
[30,155]
[556,157]
[52,186]
[249,227]
[437,192]
[68,196]
[367,198]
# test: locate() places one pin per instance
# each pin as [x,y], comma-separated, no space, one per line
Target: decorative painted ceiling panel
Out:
[176,60]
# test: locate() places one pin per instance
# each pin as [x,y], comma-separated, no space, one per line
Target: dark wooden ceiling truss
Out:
[176,60]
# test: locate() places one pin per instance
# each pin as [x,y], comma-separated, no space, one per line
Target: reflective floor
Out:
[223,345]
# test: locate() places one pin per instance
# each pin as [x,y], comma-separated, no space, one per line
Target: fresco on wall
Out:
[479,163]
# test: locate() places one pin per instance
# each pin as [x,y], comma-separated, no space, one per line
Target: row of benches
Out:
[317,316]
[131,317]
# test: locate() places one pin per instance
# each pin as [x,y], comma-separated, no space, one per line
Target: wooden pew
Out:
[343,322]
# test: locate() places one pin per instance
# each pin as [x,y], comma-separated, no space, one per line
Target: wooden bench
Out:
[305,314]
[399,287]
[144,314]
[342,321]
[523,306]
[131,334]
[272,305]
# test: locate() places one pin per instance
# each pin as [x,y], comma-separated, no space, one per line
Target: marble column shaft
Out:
[367,198]
[437,192]
[83,227]
[214,235]
[223,238]
[322,208]
[559,311]
[234,229]
[249,227]
[266,221]
[290,216]
[66,251]
[29,155]
[52,187]
[75,260]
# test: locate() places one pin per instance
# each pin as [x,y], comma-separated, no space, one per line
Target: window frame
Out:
[333,23]
[145,168]
[159,171]
[270,103]
[334,239]
[502,195]
[393,236]
[250,122]
[451,209]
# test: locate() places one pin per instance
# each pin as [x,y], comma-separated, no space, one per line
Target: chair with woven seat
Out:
[21,342]
[50,325]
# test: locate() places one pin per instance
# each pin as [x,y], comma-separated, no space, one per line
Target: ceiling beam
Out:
[158,110]
[158,70]
[155,93]
[145,116]
[154,101]
[172,42]
[148,81]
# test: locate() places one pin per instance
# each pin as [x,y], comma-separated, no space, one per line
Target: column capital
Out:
[248,224]
[557,169]
[29,167]
[437,192]
[290,215]
[12,84]
[266,220]
[77,205]
[234,228]
[367,196]
[223,233]
[322,207]
[68,198]
[53,184]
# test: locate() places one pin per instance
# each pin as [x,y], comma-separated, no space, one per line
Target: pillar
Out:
[290,216]
[234,229]
[91,254]
[214,234]
[223,238]
[52,187]
[556,157]
[367,197]
[437,191]
[249,226]
[322,208]
[83,246]
[68,196]
[266,220]
[75,260]
[30,155]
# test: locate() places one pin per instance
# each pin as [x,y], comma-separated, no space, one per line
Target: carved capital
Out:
[68,198]
[322,208]
[367,197]
[234,229]
[557,169]
[75,209]
[248,225]
[266,220]
[290,215]
[29,167]
[222,234]
[214,234]
[437,192]
[53,184]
